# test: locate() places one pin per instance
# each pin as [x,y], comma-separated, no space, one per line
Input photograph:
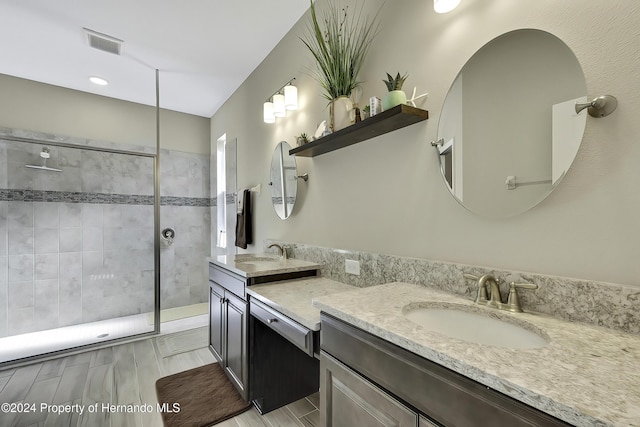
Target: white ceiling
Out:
[204,49]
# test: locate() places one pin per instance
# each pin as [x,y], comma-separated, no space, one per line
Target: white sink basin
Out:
[457,321]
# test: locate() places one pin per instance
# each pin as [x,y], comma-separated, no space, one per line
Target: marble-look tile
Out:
[70,215]
[92,215]
[20,320]
[46,215]
[46,266]
[21,268]
[4,241]
[47,240]
[70,239]
[4,213]
[46,304]
[20,241]
[92,238]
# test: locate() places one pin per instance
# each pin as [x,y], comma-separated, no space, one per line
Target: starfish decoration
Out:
[414,98]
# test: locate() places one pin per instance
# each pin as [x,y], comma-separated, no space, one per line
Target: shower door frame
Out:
[156,245]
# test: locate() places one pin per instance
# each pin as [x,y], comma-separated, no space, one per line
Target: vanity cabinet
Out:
[348,399]
[228,326]
[379,383]
[229,316]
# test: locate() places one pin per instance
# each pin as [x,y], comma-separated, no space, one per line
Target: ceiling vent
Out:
[104,42]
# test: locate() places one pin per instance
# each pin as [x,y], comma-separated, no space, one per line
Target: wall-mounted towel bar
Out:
[512,182]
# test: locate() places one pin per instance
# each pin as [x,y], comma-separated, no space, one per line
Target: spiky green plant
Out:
[339,47]
[395,83]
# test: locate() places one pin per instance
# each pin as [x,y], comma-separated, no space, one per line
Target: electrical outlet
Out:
[352,266]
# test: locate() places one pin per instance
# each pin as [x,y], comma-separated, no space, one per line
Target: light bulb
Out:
[278,105]
[290,97]
[267,111]
[444,6]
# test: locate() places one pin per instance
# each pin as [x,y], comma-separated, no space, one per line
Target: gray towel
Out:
[244,234]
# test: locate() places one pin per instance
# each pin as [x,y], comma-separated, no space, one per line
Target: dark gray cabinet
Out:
[229,321]
[228,326]
[383,371]
[216,308]
[347,399]
[236,350]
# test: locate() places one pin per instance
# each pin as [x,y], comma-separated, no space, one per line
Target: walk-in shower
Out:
[77,246]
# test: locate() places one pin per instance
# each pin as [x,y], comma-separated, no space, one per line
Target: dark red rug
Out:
[205,395]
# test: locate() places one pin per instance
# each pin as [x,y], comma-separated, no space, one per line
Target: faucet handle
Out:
[470,276]
[513,301]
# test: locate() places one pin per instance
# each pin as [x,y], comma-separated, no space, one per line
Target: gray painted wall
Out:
[386,195]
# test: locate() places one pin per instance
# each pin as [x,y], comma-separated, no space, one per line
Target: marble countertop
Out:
[293,298]
[586,375]
[254,265]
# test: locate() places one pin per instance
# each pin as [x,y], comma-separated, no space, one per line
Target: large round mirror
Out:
[284,183]
[508,131]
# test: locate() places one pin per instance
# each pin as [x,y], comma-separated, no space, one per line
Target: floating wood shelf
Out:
[387,121]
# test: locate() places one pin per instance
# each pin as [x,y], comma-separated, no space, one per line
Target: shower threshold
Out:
[16,347]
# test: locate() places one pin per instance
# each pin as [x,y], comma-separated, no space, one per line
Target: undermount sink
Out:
[256,260]
[457,321]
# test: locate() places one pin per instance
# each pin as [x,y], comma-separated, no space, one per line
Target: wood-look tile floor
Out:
[124,374]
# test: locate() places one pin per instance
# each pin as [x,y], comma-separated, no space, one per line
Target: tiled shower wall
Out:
[185,207]
[77,246]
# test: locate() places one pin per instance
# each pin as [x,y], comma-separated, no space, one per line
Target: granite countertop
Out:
[293,298]
[253,265]
[586,375]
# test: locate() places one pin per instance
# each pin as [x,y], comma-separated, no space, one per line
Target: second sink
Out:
[457,321]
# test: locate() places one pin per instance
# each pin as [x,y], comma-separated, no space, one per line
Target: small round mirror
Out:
[284,183]
[508,130]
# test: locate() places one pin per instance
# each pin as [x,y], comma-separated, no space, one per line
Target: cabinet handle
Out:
[221,300]
[272,320]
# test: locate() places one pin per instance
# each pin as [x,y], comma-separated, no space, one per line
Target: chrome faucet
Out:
[492,297]
[282,252]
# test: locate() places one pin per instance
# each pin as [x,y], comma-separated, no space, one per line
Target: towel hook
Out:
[601,106]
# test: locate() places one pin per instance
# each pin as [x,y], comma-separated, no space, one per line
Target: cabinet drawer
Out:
[227,281]
[291,330]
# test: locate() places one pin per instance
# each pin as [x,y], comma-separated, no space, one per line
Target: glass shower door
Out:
[77,245]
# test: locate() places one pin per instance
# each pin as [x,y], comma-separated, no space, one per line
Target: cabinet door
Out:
[236,353]
[424,422]
[216,320]
[347,399]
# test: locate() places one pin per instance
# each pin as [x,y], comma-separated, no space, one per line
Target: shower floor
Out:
[38,343]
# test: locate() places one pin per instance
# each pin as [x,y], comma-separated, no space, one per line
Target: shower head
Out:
[43,167]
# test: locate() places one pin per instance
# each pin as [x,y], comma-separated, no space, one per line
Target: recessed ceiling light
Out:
[98,81]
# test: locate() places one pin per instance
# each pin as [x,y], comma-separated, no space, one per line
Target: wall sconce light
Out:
[290,97]
[444,6]
[278,105]
[267,109]
[285,98]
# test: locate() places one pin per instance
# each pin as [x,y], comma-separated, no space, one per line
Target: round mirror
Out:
[508,131]
[284,182]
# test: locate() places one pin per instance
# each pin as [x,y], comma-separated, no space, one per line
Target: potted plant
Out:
[396,95]
[302,139]
[339,48]
[366,111]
